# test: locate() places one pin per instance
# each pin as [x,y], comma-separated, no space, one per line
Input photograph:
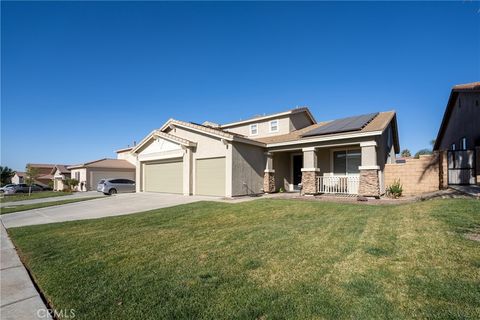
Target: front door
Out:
[297,171]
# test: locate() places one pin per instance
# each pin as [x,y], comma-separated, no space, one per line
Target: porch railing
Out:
[346,185]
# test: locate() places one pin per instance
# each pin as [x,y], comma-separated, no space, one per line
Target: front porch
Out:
[349,170]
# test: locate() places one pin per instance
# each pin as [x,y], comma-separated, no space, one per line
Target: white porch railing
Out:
[338,184]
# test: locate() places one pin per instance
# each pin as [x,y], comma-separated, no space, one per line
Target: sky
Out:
[82,79]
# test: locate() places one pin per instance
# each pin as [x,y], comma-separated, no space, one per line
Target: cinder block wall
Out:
[416,175]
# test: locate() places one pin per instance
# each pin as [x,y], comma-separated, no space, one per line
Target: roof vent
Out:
[211,124]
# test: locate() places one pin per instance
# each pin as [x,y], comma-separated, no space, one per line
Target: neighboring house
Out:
[18,177]
[90,173]
[60,173]
[44,173]
[125,154]
[287,150]
[459,133]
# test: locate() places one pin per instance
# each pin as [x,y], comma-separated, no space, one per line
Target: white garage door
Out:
[164,177]
[96,176]
[210,177]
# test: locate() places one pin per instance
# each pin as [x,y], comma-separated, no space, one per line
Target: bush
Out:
[281,189]
[395,189]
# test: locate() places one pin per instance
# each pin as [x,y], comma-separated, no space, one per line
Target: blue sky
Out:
[80,80]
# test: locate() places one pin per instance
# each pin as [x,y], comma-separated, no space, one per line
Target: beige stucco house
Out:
[288,151]
[60,173]
[90,173]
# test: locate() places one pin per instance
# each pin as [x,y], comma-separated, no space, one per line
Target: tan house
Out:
[288,151]
[459,134]
[90,173]
[60,173]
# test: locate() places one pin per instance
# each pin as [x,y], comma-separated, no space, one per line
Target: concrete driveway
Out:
[116,205]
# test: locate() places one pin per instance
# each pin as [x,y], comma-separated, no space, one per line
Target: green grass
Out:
[265,259]
[34,195]
[16,208]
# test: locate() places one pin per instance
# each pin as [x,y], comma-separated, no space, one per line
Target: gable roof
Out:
[21,173]
[62,168]
[378,124]
[104,163]
[166,136]
[124,149]
[270,116]
[468,87]
[39,165]
[218,133]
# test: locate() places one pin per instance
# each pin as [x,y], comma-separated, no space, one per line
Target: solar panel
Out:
[342,125]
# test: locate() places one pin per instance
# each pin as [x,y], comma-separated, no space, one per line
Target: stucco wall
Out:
[82,178]
[248,165]
[127,156]
[461,124]
[416,175]
[299,121]
[282,165]
[263,127]
[207,146]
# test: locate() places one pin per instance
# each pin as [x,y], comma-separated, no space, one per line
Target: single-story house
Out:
[19,177]
[60,173]
[90,173]
[282,151]
[459,134]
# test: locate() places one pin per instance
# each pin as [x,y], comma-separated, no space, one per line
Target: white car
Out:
[8,187]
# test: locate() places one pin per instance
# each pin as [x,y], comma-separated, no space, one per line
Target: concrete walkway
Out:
[116,205]
[76,195]
[470,190]
[19,298]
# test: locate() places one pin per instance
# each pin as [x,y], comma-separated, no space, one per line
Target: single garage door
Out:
[210,177]
[164,177]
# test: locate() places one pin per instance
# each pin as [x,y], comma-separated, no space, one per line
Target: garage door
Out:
[164,177]
[210,177]
[96,176]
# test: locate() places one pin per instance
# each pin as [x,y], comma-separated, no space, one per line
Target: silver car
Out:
[113,186]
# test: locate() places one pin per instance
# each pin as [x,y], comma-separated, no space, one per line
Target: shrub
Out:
[395,189]
[281,189]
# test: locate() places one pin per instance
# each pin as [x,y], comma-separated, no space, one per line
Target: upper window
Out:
[347,161]
[463,143]
[274,126]
[453,146]
[254,129]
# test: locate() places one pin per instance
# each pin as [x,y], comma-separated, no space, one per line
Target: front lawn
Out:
[34,195]
[16,208]
[265,259]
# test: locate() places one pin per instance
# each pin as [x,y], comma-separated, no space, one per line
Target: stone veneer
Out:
[309,182]
[369,184]
[269,182]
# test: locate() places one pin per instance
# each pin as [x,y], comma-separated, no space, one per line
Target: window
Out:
[274,126]
[254,129]
[347,161]
[453,146]
[77,176]
[463,143]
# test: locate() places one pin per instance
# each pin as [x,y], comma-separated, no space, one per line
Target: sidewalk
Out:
[76,195]
[18,297]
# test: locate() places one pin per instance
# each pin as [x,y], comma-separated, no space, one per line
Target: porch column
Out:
[310,171]
[269,174]
[369,181]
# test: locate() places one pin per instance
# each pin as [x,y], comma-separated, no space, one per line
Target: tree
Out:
[71,183]
[422,152]
[406,153]
[7,175]
[32,175]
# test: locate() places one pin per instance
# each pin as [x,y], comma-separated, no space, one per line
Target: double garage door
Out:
[168,176]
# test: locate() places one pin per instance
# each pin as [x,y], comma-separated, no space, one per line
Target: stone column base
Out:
[309,182]
[369,183]
[269,181]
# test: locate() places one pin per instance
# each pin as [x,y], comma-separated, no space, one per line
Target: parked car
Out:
[113,186]
[7,186]
[44,188]
[25,188]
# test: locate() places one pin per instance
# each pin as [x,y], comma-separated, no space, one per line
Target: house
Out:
[90,173]
[60,173]
[282,151]
[19,177]
[459,134]
[44,171]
